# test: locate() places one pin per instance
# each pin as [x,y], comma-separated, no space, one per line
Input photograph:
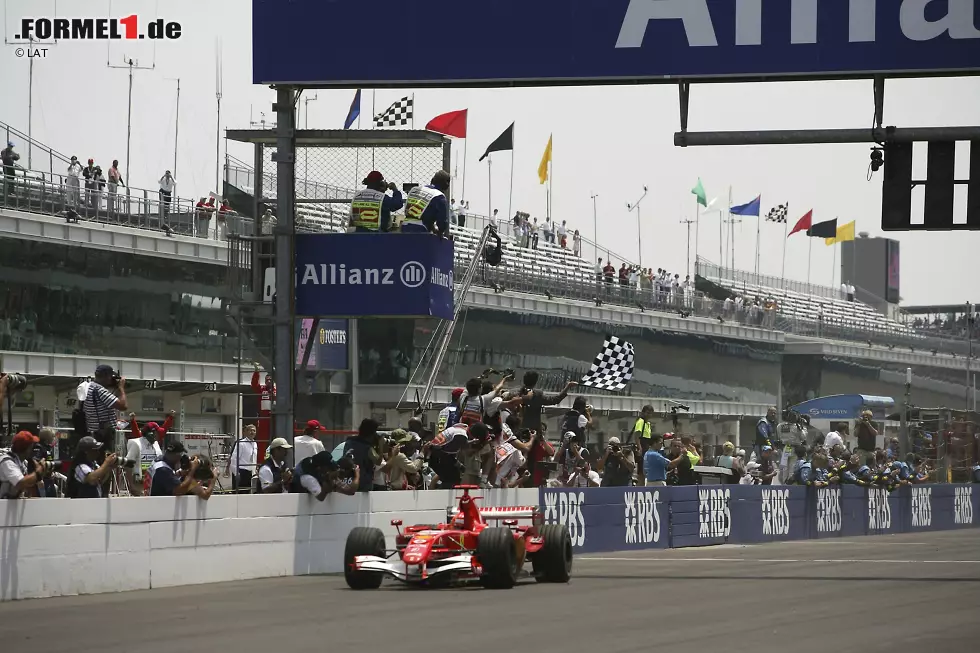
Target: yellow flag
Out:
[545,160]
[844,234]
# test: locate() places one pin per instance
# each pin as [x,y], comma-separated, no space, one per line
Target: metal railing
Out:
[710,270]
[36,156]
[56,194]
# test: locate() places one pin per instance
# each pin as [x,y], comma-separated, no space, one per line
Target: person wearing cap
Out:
[274,478]
[765,431]
[767,467]
[18,471]
[427,208]
[242,460]
[9,159]
[616,467]
[100,404]
[371,208]
[86,476]
[308,445]
[169,482]
[402,470]
[316,476]
[142,451]
[72,181]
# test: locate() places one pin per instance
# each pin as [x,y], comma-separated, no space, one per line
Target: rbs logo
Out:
[775,512]
[714,513]
[642,517]
[921,507]
[879,510]
[566,508]
[829,518]
[963,505]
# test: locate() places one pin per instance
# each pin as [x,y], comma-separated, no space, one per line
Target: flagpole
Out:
[697,232]
[357,161]
[833,269]
[808,261]
[489,186]
[411,168]
[374,117]
[782,276]
[463,197]
[731,228]
[510,198]
[758,238]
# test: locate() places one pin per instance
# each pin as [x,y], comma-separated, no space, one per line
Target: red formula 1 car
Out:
[466,548]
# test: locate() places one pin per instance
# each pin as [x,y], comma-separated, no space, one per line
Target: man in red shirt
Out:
[267,395]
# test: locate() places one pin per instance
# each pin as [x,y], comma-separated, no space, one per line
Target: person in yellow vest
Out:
[643,434]
[427,209]
[371,208]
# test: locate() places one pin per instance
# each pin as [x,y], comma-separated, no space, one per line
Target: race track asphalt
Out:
[910,592]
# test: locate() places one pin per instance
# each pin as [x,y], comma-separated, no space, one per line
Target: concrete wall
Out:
[85,546]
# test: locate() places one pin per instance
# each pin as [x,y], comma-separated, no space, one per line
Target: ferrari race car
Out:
[464,549]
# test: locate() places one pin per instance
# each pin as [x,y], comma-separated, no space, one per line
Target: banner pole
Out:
[510,198]
[463,197]
[782,276]
[489,186]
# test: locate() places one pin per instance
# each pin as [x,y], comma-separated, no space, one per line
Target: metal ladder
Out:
[443,333]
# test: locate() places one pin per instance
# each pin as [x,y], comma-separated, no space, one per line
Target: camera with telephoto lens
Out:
[15,382]
[205,469]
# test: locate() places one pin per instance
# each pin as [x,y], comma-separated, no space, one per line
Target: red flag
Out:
[804,223]
[450,124]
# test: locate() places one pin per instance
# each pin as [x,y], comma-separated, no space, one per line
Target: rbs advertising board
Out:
[622,519]
[388,275]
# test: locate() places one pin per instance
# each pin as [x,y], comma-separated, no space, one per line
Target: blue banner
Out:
[582,41]
[389,275]
[623,519]
[329,350]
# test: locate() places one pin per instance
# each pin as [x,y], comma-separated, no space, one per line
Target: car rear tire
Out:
[553,563]
[363,541]
[496,551]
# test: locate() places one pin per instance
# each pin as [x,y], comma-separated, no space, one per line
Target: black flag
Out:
[826,229]
[505,142]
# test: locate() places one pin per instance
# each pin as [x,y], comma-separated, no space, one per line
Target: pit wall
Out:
[57,547]
[52,547]
[624,519]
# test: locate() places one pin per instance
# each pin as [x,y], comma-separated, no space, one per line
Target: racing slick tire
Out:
[553,563]
[363,541]
[496,551]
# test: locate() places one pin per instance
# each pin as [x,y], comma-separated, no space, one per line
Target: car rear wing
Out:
[500,513]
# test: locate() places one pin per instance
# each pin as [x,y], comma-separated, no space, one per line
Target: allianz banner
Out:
[381,275]
[623,519]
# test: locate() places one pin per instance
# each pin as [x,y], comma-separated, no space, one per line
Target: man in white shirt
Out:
[563,234]
[493,219]
[833,438]
[584,476]
[850,293]
[242,461]
[141,453]
[307,445]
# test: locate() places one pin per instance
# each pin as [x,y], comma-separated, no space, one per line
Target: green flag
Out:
[699,192]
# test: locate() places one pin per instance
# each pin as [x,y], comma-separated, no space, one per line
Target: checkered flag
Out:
[398,114]
[778,214]
[613,367]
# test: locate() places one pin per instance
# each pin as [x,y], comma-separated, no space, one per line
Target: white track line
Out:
[777,560]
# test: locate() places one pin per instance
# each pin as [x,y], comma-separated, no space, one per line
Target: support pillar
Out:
[284,316]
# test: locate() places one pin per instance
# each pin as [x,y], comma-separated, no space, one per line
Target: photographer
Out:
[15,480]
[583,475]
[319,475]
[274,477]
[175,475]
[85,476]
[616,466]
[43,452]
[365,450]
[474,405]
[867,434]
[100,404]
[539,457]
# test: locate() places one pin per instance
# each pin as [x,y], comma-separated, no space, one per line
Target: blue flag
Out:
[752,208]
[355,110]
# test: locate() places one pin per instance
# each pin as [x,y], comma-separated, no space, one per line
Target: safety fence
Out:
[623,519]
